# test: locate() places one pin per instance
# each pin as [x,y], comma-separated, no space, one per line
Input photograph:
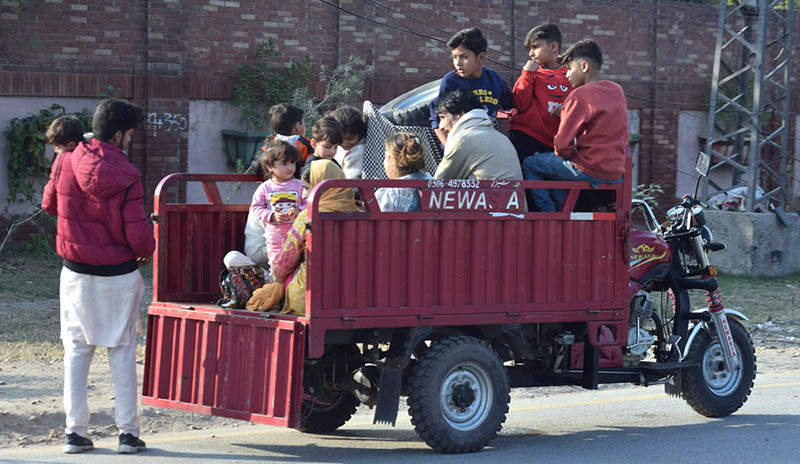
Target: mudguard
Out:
[728,312]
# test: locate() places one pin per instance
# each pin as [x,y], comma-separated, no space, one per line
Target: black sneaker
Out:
[77,444]
[128,444]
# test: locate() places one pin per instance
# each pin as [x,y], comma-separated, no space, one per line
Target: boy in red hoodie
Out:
[593,133]
[103,234]
[539,93]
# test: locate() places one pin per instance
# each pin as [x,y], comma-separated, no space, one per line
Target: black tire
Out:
[711,391]
[327,406]
[326,410]
[473,375]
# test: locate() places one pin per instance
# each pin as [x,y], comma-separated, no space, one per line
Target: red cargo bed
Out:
[472,256]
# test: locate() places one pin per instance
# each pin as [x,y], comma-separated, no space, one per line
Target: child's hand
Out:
[287,216]
[291,214]
[531,66]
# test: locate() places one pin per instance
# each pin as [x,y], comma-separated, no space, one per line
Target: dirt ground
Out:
[31,411]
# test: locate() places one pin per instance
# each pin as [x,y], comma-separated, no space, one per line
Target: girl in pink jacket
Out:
[279,199]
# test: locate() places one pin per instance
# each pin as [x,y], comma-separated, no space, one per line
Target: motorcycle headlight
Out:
[699,217]
[675,214]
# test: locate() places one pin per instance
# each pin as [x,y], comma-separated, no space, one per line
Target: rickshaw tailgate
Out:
[227,363]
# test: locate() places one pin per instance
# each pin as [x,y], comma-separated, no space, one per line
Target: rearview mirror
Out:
[703,163]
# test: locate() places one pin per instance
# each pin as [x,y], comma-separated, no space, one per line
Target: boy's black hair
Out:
[277,151]
[458,101]
[351,119]
[586,49]
[283,117]
[115,114]
[328,130]
[548,32]
[63,130]
[471,39]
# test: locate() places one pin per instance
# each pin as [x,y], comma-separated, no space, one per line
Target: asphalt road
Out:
[618,424]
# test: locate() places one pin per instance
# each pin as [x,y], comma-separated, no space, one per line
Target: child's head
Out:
[544,44]
[354,128]
[279,160]
[584,60]
[326,135]
[405,155]
[305,178]
[468,47]
[287,119]
[114,121]
[64,133]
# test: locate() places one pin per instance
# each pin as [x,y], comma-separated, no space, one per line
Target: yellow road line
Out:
[629,399]
[280,430]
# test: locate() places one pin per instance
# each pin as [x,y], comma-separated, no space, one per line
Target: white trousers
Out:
[122,361]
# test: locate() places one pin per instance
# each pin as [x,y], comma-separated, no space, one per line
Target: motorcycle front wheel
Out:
[711,390]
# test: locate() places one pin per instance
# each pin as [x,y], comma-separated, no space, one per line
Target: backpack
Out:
[238,284]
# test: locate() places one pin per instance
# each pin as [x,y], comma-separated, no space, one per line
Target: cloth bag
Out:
[237,285]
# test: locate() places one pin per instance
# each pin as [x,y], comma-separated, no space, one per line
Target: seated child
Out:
[64,133]
[278,200]
[404,159]
[326,135]
[539,93]
[288,124]
[350,154]
[290,264]
[593,133]
[468,48]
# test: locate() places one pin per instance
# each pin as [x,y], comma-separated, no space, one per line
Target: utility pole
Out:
[748,117]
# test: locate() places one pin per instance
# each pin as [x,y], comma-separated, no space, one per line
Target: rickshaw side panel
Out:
[192,239]
[382,267]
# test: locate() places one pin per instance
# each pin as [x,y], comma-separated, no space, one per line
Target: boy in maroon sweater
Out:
[593,133]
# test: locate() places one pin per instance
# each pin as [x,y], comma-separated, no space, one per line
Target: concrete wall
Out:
[795,184]
[691,125]
[207,119]
[21,107]
[635,127]
[756,243]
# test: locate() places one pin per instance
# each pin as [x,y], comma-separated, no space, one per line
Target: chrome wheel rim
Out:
[465,397]
[719,381]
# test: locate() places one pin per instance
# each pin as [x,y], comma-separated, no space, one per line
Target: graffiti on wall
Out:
[169,122]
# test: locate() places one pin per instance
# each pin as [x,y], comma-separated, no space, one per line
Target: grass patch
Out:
[27,276]
[29,307]
[763,298]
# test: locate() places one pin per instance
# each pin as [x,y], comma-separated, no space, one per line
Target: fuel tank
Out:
[647,250]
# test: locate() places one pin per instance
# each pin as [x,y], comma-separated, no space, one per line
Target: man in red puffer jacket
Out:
[103,235]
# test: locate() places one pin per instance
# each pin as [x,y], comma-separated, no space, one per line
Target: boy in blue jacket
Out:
[468,48]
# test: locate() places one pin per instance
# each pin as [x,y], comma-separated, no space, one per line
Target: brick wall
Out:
[162,53]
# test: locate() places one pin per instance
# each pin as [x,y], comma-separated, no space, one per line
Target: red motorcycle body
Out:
[647,251]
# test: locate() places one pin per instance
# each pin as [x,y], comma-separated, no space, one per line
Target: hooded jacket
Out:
[97,195]
[476,150]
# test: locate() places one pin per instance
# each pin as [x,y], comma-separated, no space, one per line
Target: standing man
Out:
[103,235]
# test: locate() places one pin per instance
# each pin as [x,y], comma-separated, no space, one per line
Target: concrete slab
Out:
[757,244]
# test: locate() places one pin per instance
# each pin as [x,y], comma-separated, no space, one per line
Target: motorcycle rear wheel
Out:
[711,390]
